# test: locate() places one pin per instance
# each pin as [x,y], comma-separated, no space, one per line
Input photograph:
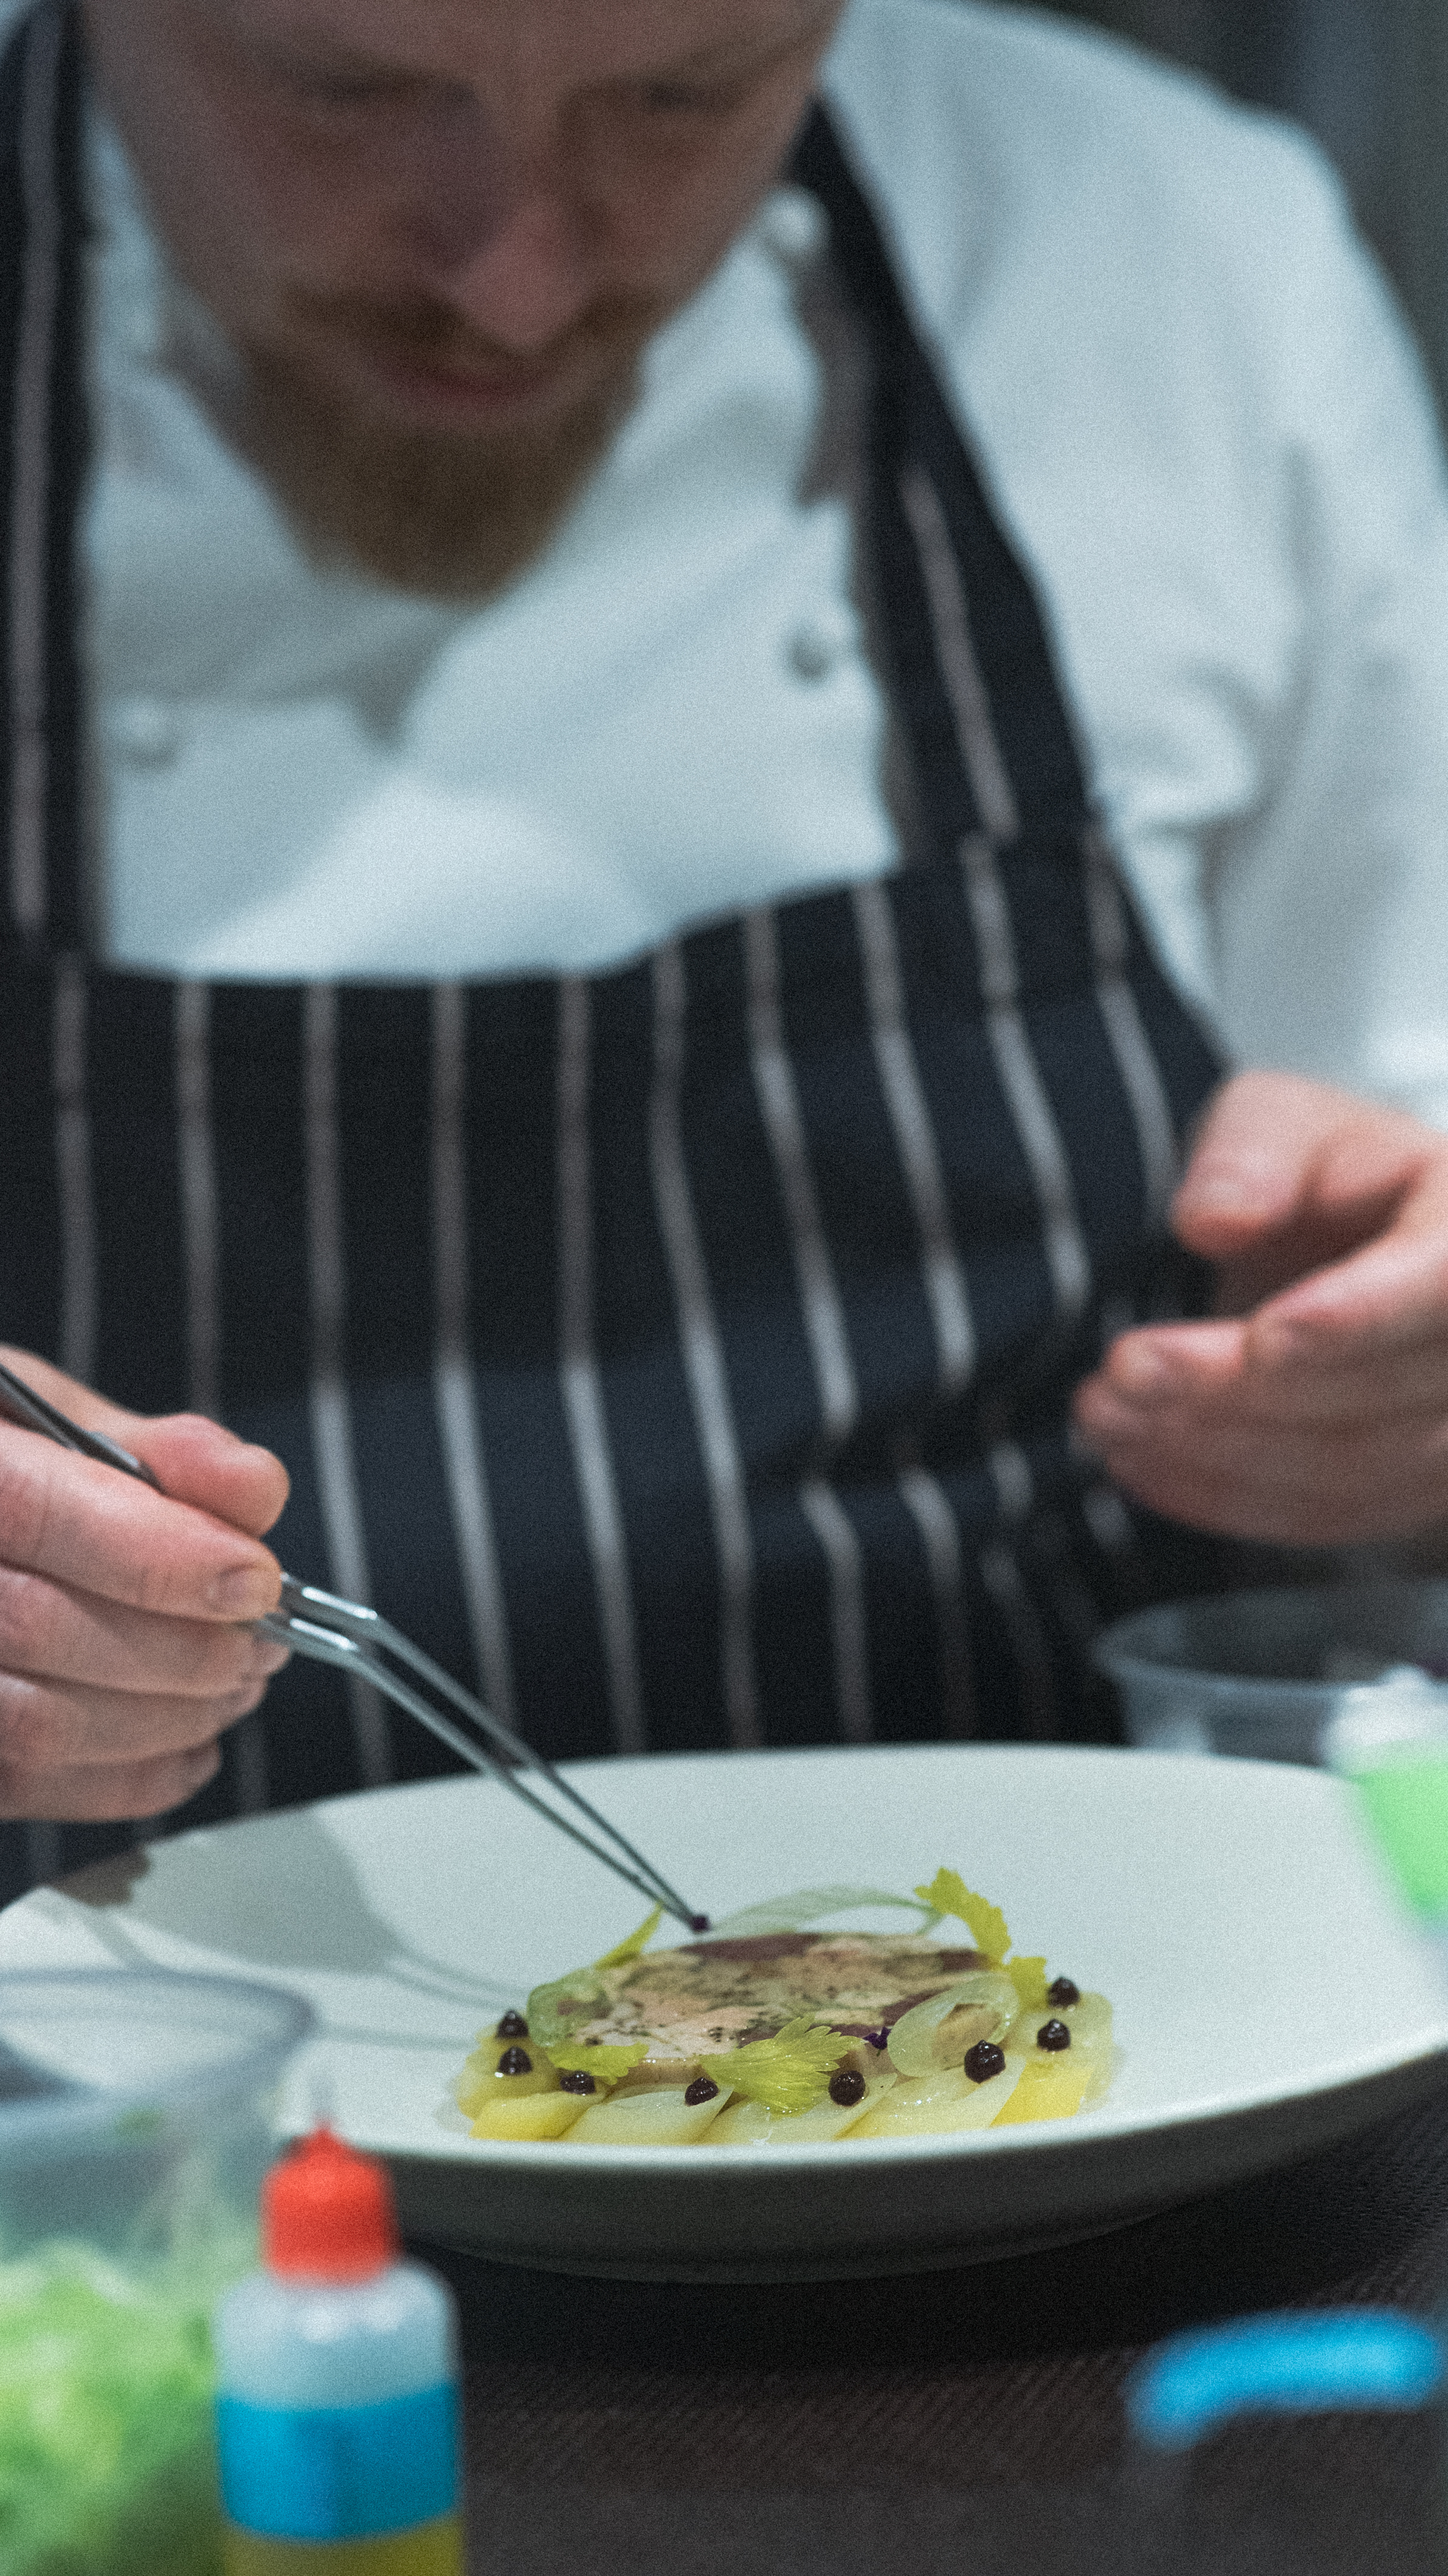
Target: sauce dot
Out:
[576,2082]
[983,2061]
[512,2026]
[847,2087]
[703,2089]
[1053,2035]
[1063,1994]
[515,2061]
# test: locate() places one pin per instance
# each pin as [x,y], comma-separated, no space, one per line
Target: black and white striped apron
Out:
[682,1352]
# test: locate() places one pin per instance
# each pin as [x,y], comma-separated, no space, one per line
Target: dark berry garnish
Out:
[983,2061]
[1053,2035]
[512,2026]
[1063,1994]
[515,2061]
[576,2082]
[703,2089]
[847,2087]
[698,1922]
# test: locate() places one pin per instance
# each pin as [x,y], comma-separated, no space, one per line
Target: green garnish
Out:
[789,2072]
[808,1905]
[948,1894]
[555,2010]
[610,2065]
[636,1942]
[1028,1976]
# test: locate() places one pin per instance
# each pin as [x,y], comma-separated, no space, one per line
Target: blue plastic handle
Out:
[1293,2364]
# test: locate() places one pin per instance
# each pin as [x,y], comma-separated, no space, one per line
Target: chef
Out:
[725,742]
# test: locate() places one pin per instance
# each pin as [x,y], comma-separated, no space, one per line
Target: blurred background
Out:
[1369,77]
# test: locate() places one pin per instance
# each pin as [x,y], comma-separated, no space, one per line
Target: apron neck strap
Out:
[970,666]
[42,392]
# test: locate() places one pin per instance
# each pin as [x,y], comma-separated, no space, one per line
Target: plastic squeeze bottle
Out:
[337,2418]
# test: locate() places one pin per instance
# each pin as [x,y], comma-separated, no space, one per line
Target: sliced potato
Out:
[534,2115]
[1088,2022]
[1048,2088]
[947,2100]
[480,2081]
[657,2117]
[753,2124]
[1092,2049]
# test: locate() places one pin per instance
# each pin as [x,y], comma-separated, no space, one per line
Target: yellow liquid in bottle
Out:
[429,2549]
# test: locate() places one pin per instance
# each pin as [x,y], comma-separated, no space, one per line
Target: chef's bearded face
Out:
[439,233]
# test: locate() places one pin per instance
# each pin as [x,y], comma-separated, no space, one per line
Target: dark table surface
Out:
[966,2420]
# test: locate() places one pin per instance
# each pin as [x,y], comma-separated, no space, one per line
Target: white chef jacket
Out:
[1202,423]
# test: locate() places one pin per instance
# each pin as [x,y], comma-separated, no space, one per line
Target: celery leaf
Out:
[947,1893]
[1028,1976]
[789,2072]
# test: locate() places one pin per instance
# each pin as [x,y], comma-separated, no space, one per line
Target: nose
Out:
[496,225]
[524,282]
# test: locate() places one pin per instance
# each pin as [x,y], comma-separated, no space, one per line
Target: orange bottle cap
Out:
[328,2213]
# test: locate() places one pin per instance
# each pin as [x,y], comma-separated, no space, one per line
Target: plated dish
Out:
[773,2030]
[1268,1996]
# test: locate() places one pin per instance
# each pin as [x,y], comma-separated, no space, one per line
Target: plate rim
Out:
[1050,2140]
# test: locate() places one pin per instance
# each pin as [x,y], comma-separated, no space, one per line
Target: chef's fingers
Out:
[1281,1378]
[1348,1249]
[1389,1295]
[50,1728]
[86,1525]
[1276,1154]
[196,1461]
[1302,1485]
[116,1793]
[51,1631]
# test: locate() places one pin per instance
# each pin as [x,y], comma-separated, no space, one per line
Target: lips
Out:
[425,389]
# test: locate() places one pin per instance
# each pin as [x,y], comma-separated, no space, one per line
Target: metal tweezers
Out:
[360,1642]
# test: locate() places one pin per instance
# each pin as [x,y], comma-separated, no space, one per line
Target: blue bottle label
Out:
[339,2472]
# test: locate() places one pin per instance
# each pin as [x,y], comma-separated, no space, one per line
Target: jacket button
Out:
[146,732]
[816,649]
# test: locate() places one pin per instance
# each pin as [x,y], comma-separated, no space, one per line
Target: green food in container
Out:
[133,2136]
[106,2464]
[1407,1805]
[1391,1741]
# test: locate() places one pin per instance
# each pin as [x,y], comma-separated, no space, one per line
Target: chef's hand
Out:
[124,1648]
[1320,1416]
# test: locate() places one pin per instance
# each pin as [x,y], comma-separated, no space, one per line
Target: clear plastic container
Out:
[134,2134]
[1264,1674]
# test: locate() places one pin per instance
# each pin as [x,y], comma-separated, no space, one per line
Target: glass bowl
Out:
[134,2133]
[1264,1674]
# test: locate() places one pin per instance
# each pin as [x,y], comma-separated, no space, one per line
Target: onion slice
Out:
[912,2041]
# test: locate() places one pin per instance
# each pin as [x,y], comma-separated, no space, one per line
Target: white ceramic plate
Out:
[1269,1998]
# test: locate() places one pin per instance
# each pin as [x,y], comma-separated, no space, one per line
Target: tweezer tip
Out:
[698,1922]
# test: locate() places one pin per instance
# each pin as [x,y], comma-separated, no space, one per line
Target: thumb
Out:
[1262,1156]
[199,1462]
